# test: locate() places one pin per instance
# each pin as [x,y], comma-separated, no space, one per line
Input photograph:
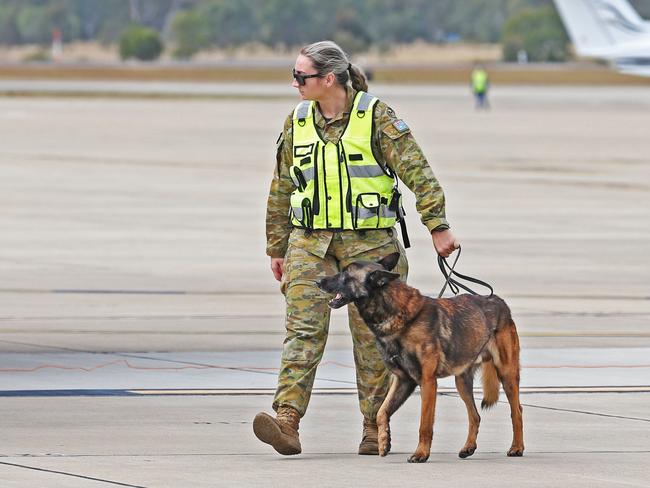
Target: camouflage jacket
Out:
[393,141]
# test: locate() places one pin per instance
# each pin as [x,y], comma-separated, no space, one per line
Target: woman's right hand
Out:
[277,266]
[444,242]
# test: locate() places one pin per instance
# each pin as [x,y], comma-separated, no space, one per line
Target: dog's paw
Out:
[417,457]
[516,451]
[384,450]
[384,441]
[466,452]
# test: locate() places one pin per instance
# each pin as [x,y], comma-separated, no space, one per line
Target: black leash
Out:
[455,285]
[405,236]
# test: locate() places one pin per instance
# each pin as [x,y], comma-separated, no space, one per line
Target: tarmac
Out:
[141,328]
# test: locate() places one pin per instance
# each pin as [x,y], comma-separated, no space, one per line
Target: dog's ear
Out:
[390,261]
[380,278]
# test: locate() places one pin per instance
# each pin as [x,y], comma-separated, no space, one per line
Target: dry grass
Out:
[568,74]
[80,52]
[75,52]
[421,52]
[438,74]
[413,63]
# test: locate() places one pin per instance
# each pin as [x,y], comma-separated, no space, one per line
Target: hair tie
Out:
[349,66]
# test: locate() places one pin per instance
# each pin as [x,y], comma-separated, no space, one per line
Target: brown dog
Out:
[422,339]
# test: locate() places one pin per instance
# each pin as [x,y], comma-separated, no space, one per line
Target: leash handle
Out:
[455,285]
[442,263]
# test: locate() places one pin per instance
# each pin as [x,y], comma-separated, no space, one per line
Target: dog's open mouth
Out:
[338,301]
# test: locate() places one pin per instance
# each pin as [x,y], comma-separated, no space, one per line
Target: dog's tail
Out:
[490,384]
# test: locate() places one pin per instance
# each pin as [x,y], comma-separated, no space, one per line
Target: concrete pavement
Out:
[140,327]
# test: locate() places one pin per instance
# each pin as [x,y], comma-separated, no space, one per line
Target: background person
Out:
[480,85]
[337,158]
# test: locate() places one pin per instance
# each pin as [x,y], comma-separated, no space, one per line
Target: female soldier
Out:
[338,158]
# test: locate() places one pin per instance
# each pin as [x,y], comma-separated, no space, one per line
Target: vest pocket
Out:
[303,150]
[366,211]
[301,211]
[299,178]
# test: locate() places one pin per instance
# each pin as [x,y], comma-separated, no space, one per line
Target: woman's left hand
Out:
[277,267]
[444,242]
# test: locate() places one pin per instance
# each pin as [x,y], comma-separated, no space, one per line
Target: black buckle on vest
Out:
[361,114]
[301,122]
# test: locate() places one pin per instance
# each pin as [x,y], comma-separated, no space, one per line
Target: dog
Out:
[422,339]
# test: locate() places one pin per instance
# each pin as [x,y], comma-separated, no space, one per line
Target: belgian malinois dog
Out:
[422,339]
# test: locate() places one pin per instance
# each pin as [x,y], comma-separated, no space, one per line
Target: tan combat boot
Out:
[369,442]
[280,432]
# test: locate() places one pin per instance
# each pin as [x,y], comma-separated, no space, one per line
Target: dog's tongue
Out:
[337,297]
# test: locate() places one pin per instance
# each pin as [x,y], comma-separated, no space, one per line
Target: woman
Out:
[338,157]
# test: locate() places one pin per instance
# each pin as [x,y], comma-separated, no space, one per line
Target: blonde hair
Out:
[328,57]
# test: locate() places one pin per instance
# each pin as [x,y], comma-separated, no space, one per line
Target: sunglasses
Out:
[301,78]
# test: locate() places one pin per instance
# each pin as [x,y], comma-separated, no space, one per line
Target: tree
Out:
[355,24]
[350,32]
[295,22]
[141,43]
[230,23]
[539,32]
[8,29]
[95,14]
[191,33]
[36,22]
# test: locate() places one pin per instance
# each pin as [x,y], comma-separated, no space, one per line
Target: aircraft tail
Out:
[596,25]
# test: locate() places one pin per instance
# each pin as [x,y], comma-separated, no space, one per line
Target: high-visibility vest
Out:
[479,80]
[341,186]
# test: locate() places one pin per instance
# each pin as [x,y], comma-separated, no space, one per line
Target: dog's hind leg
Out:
[400,389]
[508,370]
[465,387]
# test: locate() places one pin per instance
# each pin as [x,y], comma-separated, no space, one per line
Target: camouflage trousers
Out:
[308,315]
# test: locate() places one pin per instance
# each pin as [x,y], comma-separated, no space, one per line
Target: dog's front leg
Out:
[428,391]
[401,388]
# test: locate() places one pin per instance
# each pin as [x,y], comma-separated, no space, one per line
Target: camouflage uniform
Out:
[312,255]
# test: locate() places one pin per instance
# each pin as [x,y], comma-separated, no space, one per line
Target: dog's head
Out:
[359,280]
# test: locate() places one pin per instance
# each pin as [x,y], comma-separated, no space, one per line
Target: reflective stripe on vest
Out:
[303,109]
[340,186]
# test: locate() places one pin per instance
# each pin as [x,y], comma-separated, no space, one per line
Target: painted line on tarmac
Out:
[80,291]
[118,291]
[117,483]
[262,370]
[256,454]
[584,412]
[116,318]
[140,95]
[339,391]
[66,393]
[269,391]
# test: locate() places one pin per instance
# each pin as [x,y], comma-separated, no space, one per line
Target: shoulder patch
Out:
[400,125]
[396,129]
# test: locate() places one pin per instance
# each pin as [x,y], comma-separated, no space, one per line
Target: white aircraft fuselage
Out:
[608,29]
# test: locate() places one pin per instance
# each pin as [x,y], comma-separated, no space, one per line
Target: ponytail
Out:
[358,78]
[328,57]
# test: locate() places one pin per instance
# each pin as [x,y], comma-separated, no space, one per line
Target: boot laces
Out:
[369,429]
[288,416]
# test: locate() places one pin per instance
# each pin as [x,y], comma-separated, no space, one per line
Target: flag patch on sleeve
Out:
[400,125]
